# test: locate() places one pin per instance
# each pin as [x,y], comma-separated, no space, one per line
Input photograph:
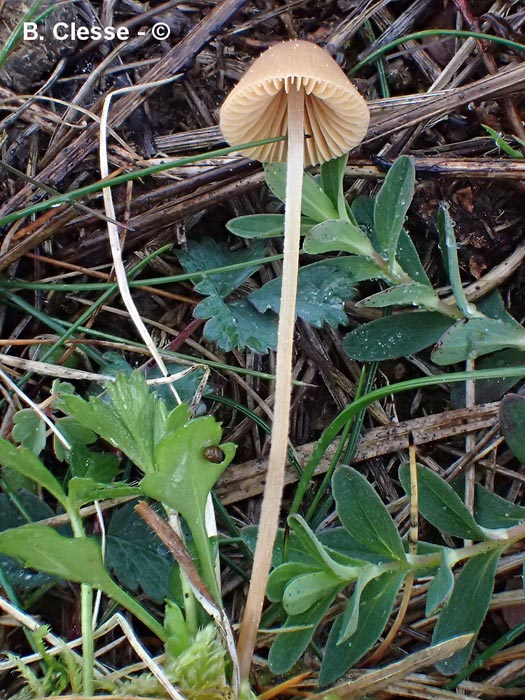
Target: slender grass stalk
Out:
[375,55]
[68,197]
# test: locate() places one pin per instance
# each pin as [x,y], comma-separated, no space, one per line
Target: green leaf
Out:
[183,477]
[133,420]
[281,576]
[22,579]
[512,422]
[315,204]
[346,570]
[332,176]
[82,490]
[350,617]
[493,306]
[408,258]
[391,205]
[100,466]
[357,269]
[448,246]
[492,511]
[263,225]
[500,142]
[29,430]
[303,591]
[466,608]
[322,292]
[375,606]
[488,390]
[77,559]
[363,210]
[395,336]
[337,235]
[470,338]
[413,294]
[75,433]
[237,324]
[136,556]
[364,515]
[440,504]
[25,462]
[291,642]
[442,584]
[208,254]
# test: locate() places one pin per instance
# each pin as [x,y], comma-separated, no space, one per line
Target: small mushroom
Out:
[293,89]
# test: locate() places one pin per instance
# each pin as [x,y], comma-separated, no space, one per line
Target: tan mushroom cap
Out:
[336,116]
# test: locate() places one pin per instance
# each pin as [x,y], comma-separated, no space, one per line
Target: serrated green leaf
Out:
[75,433]
[208,254]
[29,430]
[77,559]
[391,205]
[466,608]
[408,258]
[494,512]
[512,422]
[321,294]
[100,466]
[364,515]
[375,606]
[315,204]
[442,584]
[237,324]
[448,246]
[24,461]
[136,556]
[411,294]
[332,176]
[396,336]
[134,420]
[303,591]
[263,225]
[183,477]
[440,504]
[289,645]
[337,235]
[470,338]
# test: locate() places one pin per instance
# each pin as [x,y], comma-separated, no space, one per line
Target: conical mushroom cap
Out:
[336,116]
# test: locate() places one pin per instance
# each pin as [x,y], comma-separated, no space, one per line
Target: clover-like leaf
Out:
[29,430]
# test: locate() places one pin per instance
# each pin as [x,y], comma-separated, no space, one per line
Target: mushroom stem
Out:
[271,505]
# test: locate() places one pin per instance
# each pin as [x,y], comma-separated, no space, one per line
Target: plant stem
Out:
[271,505]
[86,617]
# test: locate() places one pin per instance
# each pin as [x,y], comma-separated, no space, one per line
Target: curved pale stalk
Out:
[271,505]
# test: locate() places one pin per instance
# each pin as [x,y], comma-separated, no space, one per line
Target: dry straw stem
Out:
[294,88]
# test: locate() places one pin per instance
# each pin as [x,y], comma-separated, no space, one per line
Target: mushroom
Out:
[293,89]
